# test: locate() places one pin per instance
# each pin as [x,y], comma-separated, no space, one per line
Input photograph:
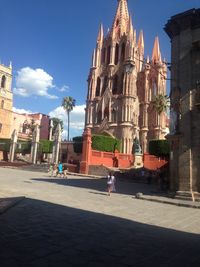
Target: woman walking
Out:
[111,183]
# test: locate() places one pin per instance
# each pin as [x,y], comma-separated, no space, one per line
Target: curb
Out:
[85,175]
[179,204]
[7,203]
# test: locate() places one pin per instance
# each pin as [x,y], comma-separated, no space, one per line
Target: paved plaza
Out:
[72,222]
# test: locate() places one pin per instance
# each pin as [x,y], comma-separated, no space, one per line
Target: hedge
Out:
[23,147]
[78,144]
[46,146]
[105,143]
[159,148]
[5,144]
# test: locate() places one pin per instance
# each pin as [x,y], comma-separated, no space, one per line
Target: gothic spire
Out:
[156,55]
[130,29]
[121,20]
[100,35]
[141,42]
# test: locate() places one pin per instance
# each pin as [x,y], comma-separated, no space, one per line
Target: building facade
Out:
[122,84]
[9,120]
[6,101]
[25,123]
[184,32]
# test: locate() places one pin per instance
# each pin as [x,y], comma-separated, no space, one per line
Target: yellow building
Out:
[6,101]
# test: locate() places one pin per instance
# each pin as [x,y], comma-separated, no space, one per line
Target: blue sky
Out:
[50,44]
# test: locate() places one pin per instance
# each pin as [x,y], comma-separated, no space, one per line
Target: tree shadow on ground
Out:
[40,234]
[122,187]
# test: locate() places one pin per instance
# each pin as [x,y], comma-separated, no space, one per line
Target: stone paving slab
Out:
[149,196]
[73,222]
[7,203]
[37,233]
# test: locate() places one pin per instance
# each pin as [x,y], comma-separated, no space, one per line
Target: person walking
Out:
[111,183]
[60,169]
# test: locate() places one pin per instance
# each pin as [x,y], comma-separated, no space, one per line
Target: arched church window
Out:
[98,87]
[99,117]
[150,95]
[105,84]
[154,88]
[114,115]
[2,104]
[3,81]
[90,89]
[106,112]
[121,84]
[115,85]
[123,50]
[108,55]
[103,55]
[116,54]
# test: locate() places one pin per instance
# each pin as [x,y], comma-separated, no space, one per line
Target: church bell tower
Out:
[6,100]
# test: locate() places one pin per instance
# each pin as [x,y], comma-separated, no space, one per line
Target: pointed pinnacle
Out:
[156,55]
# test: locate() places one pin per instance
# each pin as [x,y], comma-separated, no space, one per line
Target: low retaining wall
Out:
[109,159]
[152,162]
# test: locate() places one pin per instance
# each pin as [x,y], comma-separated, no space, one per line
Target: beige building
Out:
[9,120]
[6,101]
[25,123]
[184,32]
[122,83]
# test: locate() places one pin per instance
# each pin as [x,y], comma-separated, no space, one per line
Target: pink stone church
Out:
[122,83]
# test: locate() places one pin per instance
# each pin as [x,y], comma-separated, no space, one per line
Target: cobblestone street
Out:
[72,222]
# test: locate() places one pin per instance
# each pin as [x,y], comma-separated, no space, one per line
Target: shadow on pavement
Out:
[8,202]
[122,187]
[38,234]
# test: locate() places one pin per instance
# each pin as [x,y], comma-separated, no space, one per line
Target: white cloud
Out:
[34,82]
[77,119]
[22,111]
[64,88]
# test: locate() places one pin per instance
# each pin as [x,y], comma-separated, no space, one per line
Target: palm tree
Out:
[56,121]
[68,104]
[161,104]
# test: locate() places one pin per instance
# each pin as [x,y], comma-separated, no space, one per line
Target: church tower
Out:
[120,84]
[6,100]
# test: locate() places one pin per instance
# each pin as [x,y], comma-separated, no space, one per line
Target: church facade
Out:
[122,84]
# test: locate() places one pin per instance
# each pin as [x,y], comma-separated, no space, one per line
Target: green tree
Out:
[161,103]
[68,104]
[55,123]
